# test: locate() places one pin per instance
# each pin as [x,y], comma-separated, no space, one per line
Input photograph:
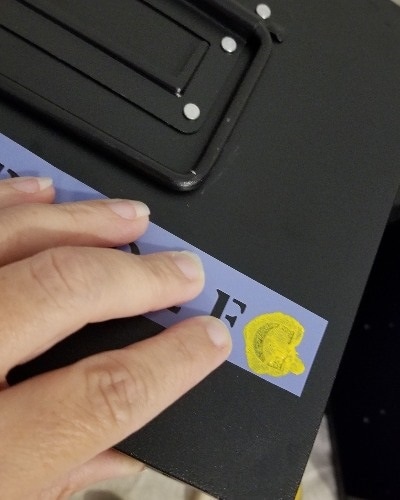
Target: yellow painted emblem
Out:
[271,341]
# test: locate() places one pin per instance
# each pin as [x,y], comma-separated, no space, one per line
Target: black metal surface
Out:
[162,56]
[298,200]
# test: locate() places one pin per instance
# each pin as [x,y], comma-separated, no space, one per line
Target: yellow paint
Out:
[271,341]
[299,494]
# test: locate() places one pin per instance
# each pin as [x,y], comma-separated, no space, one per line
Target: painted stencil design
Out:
[271,341]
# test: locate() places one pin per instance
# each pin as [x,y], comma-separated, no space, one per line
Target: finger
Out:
[19,190]
[61,419]
[56,292]
[108,465]
[28,229]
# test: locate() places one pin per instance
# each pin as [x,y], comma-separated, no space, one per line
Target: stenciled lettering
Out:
[221,304]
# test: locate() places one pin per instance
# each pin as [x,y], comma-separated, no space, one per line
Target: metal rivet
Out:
[191,111]
[263,10]
[228,44]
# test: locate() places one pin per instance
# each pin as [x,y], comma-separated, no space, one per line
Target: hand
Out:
[57,274]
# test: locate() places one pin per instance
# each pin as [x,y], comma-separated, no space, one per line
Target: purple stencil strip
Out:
[273,337]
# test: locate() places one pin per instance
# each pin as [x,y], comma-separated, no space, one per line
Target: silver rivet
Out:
[228,44]
[263,10]
[191,111]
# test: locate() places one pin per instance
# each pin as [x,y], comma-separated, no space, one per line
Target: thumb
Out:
[107,465]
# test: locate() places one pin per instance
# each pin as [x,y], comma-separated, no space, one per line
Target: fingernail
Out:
[189,263]
[31,184]
[218,332]
[129,209]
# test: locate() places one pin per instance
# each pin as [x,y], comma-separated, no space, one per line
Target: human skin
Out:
[58,272]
